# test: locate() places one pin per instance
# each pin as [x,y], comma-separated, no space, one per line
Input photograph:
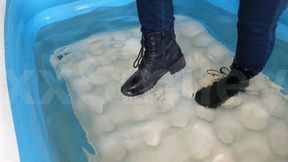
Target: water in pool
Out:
[166,125]
[88,119]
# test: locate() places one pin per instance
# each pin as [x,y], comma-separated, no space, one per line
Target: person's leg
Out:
[160,52]
[257,21]
[256,37]
[156,15]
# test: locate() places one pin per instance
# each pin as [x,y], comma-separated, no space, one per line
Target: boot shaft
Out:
[156,41]
[159,49]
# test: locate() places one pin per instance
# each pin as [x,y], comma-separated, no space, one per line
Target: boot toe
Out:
[126,91]
[132,87]
[205,97]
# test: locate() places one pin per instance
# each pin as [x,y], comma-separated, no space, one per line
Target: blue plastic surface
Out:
[24,19]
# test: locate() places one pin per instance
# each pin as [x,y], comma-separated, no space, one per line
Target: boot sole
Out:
[178,66]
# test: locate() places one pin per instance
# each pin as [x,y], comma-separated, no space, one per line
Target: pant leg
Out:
[257,22]
[156,15]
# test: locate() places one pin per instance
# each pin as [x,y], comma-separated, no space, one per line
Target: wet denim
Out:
[156,15]
[257,22]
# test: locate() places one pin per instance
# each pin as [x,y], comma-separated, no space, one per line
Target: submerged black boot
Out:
[230,85]
[159,54]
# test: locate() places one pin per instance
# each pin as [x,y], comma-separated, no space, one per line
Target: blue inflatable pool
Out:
[47,128]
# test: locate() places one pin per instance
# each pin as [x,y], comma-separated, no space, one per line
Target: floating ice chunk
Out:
[120,36]
[233,102]
[104,70]
[141,112]
[152,132]
[62,65]
[202,40]
[192,28]
[111,150]
[148,133]
[134,33]
[102,124]
[83,66]
[223,157]
[92,100]
[254,114]
[79,84]
[152,138]
[97,79]
[169,98]
[278,135]
[118,44]
[227,126]
[61,55]
[182,116]
[222,154]
[64,70]
[276,102]
[218,54]
[132,45]
[200,140]
[118,112]
[254,146]
[170,149]
[118,74]
[199,59]
[188,86]
[104,59]
[205,113]
[255,86]
[95,49]
[251,158]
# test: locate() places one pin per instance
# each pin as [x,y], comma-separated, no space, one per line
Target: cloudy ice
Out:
[166,124]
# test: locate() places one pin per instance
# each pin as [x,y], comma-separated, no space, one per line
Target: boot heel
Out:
[179,65]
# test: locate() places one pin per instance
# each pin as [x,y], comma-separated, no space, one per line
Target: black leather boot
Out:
[159,54]
[228,86]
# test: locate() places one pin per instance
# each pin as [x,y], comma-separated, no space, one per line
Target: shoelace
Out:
[221,73]
[217,74]
[140,58]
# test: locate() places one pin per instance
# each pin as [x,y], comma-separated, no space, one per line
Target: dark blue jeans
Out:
[257,22]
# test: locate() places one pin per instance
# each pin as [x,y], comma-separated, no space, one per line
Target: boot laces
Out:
[218,74]
[140,56]
[221,73]
[146,55]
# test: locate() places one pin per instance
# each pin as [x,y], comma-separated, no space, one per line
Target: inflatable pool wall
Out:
[24,19]
[8,143]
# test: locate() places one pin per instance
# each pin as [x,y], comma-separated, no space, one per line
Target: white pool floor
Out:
[166,124]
